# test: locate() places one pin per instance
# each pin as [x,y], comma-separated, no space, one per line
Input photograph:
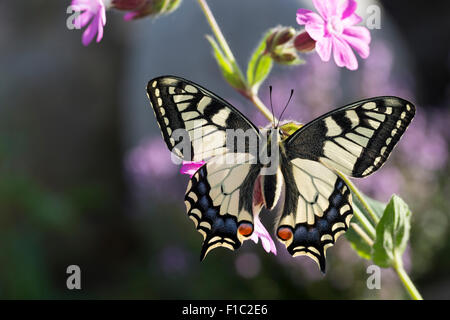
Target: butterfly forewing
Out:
[185,109]
[356,139]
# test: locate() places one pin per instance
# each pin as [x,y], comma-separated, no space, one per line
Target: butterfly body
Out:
[299,171]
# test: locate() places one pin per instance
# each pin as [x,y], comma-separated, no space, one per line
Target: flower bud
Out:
[279,45]
[127,4]
[142,8]
[304,43]
[278,37]
[288,57]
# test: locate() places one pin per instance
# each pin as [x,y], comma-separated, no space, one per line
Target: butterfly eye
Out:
[245,229]
[284,233]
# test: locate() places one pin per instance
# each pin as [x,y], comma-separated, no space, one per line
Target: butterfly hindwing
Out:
[182,106]
[317,209]
[355,139]
[219,201]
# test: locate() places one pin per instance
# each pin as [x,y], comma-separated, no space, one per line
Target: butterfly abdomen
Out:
[271,188]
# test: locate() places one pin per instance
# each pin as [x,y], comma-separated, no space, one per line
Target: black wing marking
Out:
[182,104]
[219,201]
[355,139]
[317,209]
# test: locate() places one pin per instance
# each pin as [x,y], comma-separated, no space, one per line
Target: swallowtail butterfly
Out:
[317,207]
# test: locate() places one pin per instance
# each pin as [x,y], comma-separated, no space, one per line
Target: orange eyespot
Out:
[245,229]
[284,233]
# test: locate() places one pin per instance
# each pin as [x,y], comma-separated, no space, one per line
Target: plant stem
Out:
[229,54]
[358,194]
[406,280]
[220,38]
[362,234]
[365,223]
[262,107]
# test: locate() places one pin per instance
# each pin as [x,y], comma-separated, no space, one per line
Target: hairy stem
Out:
[229,54]
[262,107]
[405,279]
[220,38]
[362,234]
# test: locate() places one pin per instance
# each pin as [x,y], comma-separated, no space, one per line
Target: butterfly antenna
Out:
[281,115]
[271,106]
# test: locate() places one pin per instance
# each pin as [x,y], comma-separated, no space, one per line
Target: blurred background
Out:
[85,178]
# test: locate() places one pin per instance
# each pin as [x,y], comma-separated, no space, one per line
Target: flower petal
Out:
[343,54]
[359,39]
[359,32]
[130,15]
[351,20]
[83,19]
[89,33]
[307,16]
[323,48]
[100,25]
[191,167]
[326,8]
[346,8]
[266,240]
[315,30]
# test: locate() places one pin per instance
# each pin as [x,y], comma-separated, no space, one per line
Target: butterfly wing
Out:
[219,201]
[193,120]
[356,140]
[317,209]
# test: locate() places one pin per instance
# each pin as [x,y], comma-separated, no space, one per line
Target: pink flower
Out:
[191,167]
[261,232]
[334,30]
[93,15]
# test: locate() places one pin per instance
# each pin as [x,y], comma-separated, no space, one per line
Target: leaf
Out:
[226,67]
[392,233]
[259,65]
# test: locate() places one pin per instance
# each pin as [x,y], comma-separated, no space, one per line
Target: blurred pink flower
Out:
[334,30]
[191,167]
[150,160]
[93,15]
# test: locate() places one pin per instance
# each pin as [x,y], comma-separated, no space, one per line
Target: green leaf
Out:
[392,233]
[226,67]
[259,65]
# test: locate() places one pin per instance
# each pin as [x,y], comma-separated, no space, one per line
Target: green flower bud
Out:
[279,36]
[280,47]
